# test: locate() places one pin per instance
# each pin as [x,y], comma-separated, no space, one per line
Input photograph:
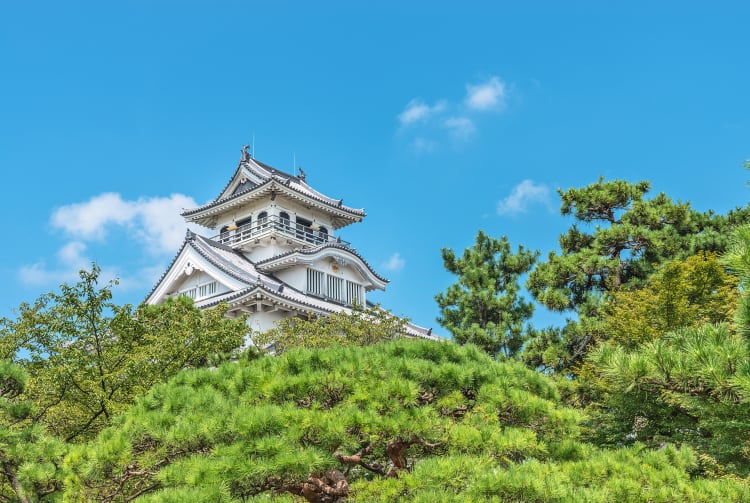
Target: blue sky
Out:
[440,119]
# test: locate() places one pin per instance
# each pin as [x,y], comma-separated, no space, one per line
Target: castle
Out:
[274,253]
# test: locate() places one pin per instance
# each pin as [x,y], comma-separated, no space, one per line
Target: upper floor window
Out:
[334,288]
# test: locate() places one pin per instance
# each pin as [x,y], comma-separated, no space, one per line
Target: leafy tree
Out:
[88,358]
[631,236]
[360,327]
[690,386]
[682,293]
[406,420]
[484,306]
[30,458]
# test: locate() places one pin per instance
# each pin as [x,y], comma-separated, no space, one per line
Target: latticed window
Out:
[353,293]
[190,293]
[315,282]
[201,291]
[207,289]
[334,288]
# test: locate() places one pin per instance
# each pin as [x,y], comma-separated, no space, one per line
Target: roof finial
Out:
[245,154]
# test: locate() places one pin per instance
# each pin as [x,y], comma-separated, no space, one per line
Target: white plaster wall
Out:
[270,248]
[263,321]
[294,276]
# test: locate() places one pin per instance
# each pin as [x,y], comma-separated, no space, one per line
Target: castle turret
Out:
[274,253]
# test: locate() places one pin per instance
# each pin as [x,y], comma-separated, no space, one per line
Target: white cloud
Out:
[87,220]
[486,96]
[417,111]
[523,195]
[460,127]
[426,127]
[71,259]
[395,263]
[155,221]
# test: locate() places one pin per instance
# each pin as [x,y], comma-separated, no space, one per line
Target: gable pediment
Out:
[193,275]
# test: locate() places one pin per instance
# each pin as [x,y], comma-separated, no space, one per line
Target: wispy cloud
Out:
[395,263]
[71,259]
[524,195]
[154,221]
[416,111]
[487,95]
[460,127]
[456,119]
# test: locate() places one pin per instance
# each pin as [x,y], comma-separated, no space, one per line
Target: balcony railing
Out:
[276,225]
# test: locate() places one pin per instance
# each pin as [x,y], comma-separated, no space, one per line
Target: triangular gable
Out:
[189,263]
[244,179]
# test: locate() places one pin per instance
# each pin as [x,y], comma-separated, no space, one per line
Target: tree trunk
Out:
[10,472]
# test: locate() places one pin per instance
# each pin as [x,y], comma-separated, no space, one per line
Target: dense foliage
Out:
[618,239]
[85,360]
[405,420]
[358,327]
[30,458]
[88,358]
[681,293]
[484,307]
[691,386]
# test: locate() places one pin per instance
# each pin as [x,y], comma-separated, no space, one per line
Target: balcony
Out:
[252,233]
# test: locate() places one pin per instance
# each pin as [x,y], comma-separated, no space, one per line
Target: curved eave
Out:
[203,215]
[278,298]
[310,255]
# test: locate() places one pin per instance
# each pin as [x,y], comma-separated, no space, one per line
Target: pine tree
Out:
[484,306]
[618,240]
[30,458]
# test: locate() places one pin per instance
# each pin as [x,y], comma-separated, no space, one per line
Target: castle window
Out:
[262,219]
[284,222]
[303,229]
[315,282]
[353,293]
[334,288]
[224,234]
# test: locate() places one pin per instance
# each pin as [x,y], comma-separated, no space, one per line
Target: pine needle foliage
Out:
[617,241]
[484,307]
[30,458]
[405,420]
[691,386]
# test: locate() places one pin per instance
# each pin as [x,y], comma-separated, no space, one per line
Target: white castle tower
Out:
[274,253]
